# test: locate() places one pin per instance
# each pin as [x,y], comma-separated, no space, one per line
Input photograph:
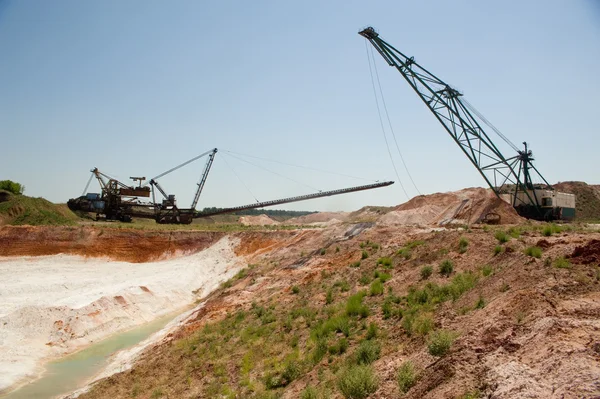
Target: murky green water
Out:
[71,372]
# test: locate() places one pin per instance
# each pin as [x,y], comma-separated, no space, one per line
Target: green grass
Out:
[535,252]
[295,289]
[376,288]
[446,267]
[550,229]
[463,244]
[439,342]
[367,352]
[355,264]
[372,331]
[426,272]
[486,270]
[357,382]
[383,277]
[364,255]
[501,236]
[23,210]
[386,262]
[498,249]
[561,263]
[355,307]
[406,376]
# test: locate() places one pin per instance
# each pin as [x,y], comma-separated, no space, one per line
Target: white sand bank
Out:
[53,305]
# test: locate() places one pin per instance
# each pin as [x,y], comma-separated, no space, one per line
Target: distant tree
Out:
[11,186]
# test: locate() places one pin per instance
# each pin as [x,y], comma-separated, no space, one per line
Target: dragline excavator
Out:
[509,177]
[117,201]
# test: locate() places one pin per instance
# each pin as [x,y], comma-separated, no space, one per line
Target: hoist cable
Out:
[381,121]
[275,173]
[390,124]
[240,179]
[88,184]
[489,124]
[298,166]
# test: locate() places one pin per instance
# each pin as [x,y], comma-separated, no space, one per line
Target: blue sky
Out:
[137,87]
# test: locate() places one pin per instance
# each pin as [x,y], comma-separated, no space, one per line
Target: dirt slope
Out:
[587,204]
[24,210]
[313,305]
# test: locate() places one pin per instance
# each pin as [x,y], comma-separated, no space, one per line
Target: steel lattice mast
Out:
[464,126]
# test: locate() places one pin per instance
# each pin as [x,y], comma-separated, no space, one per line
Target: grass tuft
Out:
[406,377]
[357,382]
[440,341]
[446,267]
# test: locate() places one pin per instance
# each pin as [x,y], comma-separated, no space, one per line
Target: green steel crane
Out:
[509,177]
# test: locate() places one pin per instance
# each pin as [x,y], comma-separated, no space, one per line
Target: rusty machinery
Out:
[118,201]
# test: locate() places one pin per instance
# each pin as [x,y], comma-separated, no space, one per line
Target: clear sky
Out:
[136,87]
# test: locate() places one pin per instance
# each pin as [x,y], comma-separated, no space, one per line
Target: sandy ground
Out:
[53,305]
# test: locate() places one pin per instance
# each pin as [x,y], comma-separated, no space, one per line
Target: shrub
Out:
[364,255]
[486,270]
[562,263]
[426,272]
[355,264]
[355,307]
[357,382]
[536,252]
[364,279]
[498,249]
[501,236]
[440,341]
[405,253]
[320,350]
[309,393]
[480,304]
[323,251]
[372,331]
[514,232]
[386,262]
[12,187]
[291,371]
[337,249]
[414,244]
[367,352]
[422,324]
[382,276]
[462,245]
[329,296]
[406,377]
[376,288]
[446,267]
[295,289]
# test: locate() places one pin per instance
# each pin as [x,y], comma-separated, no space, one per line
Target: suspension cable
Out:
[381,122]
[88,184]
[240,179]
[275,173]
[299,166]
[489,124]
[390,124]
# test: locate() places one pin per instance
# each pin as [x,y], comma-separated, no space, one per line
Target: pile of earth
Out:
[587,203]
[260,220]
[319,218]
[24,210]
[467,206]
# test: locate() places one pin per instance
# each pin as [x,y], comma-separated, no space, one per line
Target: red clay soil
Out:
[587,254]
[117,244]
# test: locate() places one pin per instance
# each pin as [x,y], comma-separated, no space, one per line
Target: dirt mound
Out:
[466,206]
[587,204]
[23,210]
[320,217]
[587,254]
[260,220]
